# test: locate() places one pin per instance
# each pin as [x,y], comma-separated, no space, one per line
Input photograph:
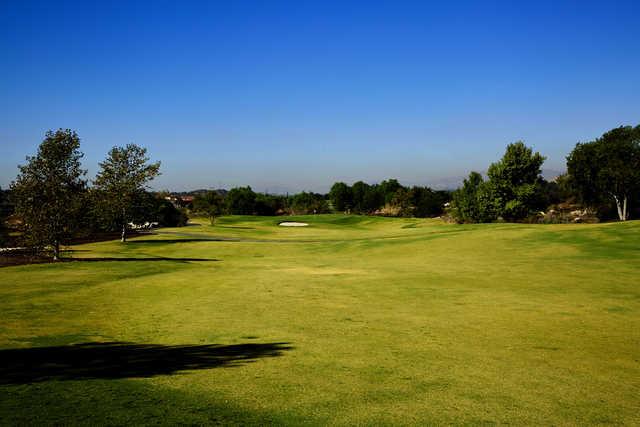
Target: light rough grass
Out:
[392,321]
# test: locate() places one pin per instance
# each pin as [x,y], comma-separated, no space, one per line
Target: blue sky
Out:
[288,96]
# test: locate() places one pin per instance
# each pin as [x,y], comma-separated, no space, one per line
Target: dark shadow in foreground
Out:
[96,259]
[115,360]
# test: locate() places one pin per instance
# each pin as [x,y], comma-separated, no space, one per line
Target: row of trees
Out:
[599,173]
[54,202]
[244,201]
[388,197]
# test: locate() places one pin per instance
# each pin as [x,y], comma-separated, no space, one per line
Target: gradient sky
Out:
[288,96]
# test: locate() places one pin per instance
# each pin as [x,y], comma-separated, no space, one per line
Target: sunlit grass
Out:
[390,321]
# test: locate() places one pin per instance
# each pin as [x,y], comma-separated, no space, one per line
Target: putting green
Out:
[350,320]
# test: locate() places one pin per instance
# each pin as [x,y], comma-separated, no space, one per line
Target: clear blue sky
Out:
[296,95]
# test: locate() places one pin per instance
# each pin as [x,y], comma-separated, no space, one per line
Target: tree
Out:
[389,188]
[48,191]
[210,203]
[341,197]
[123,176]
[608,168]
[358,191]
[426,202]
[309,203]
[516,180]
[471,202]
[241,201]
[168,215]
[4,213]
[269,204]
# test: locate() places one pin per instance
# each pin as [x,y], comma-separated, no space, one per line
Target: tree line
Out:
[55,202]
[602,175]
[387,198]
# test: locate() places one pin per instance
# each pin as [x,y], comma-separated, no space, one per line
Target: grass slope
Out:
[379,321]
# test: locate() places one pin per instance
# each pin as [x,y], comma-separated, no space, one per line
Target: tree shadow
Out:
[117,360]
[122,259]
[163,241]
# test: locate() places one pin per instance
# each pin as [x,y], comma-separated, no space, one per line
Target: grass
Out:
[375,321]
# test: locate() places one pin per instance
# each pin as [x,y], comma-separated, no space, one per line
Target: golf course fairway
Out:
[350,320]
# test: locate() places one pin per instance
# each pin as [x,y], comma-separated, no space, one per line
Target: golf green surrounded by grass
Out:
[351,320]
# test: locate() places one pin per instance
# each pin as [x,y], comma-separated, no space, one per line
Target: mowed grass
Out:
[352,320]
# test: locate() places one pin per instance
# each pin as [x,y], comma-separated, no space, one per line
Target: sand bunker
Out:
[293,224]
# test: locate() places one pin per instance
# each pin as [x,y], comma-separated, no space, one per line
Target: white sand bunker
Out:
[293,224]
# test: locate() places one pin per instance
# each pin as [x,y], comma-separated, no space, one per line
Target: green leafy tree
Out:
[341,197]
[4,213]
[309,203]
[210,204]
[48,191]
[515,181]
[122,178]
[359,191]
[389,188]
[241,201]
[426,202]
[608,169]
[167,215]
[270,204]
[373,199]
[465,199]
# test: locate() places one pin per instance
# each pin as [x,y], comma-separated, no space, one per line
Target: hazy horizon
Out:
[292,96]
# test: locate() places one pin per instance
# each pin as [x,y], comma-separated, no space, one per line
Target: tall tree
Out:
[49,190]
[515,180]
[359,192]
[122,178]
[608,168]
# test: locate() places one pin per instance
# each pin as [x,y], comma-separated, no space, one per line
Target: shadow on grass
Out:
[117,360]
[122,259]
[163,241]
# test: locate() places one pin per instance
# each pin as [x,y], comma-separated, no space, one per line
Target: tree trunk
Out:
[621,213]
[123,237]
[625,214]
[56,250]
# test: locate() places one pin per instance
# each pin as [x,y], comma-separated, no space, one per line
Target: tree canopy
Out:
[513,190]
[608,169]
[122,178]
[49,191]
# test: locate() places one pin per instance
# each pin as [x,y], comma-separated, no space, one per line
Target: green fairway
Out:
[351,320]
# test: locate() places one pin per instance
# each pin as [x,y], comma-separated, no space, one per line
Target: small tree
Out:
[210,203]
[473,202]
[48,191]
[608,168]
[123,176]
